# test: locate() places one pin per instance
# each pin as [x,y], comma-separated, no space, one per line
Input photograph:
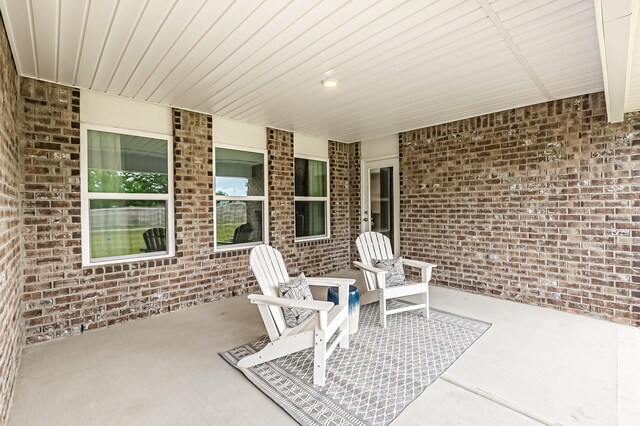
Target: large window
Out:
[127,195]
[311,198]
[240,197]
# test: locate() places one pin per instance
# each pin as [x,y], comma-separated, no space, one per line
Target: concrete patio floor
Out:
[533,366]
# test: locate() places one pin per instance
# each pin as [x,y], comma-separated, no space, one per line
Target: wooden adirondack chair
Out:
[315,332]
[373,245]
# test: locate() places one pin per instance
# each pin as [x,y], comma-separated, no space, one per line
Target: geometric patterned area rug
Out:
[370,383]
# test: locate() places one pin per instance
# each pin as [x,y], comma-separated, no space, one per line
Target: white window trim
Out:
[264,198]
[85,196]
[327,199]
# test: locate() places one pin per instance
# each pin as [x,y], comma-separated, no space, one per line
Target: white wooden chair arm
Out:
[315,305]
[368,268]
[418,264]
[379,273]
[330,282]
[425,267]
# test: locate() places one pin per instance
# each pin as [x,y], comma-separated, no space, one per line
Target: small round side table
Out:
[354,305]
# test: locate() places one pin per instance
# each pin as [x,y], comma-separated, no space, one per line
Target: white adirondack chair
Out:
[373,245]
[315,332]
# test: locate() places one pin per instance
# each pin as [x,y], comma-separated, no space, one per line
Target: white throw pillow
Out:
[296,289]
[395,271]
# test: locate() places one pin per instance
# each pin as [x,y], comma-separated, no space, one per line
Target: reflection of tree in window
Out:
[119,164]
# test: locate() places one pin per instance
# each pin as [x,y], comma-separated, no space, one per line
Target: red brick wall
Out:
[332,254]
[310,257]
[552,190]
[61,297]
[355,178]
[11,330]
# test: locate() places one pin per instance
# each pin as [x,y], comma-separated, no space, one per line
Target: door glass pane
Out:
[310,218]
[310,178]
[381,196]
[126,164]
[239,173]
[238,222]
[125,227]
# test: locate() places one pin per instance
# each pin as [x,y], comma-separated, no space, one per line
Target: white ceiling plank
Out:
[460,82]
[325,59]
[124,25]
[553,32]
[150,45]
[200,32]
[509,9]
[18,31]
[453,79]
[387,54]
[514,47]
[401,64]
[317,43]
[229,28]
[45,24]
[432,60]
[71,19]
[280,31]
[241,44]
[234,81]
[97,25]
[534,16]
[438,114]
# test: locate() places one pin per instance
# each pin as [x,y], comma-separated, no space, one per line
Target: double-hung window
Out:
[240,197]
[127,195]
[311,198]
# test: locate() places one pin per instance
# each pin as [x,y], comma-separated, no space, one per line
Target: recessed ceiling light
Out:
[330,82]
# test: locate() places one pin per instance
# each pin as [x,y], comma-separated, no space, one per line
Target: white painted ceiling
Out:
[401,64]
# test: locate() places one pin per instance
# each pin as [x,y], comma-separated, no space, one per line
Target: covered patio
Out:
[325,212]
[533,366]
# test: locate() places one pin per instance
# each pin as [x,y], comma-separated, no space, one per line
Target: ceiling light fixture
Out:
[330,82]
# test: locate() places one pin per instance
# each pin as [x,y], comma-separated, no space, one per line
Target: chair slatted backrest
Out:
[269,269]
[373,245]
[155,239]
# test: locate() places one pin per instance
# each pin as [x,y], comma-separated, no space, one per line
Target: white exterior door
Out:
[381,199]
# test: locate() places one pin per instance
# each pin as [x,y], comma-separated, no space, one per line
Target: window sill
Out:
[236,247]
[123,260]
[309,239]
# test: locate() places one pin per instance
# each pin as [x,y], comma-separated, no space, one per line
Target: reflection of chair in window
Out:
[250,232]
[155,240]
[242,234]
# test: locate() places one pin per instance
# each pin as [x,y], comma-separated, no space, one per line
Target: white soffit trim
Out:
[385,146]
[311,146]
[614,21]
[116,111]
[234,132]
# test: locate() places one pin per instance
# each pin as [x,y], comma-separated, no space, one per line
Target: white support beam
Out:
[497,23]
[615,20]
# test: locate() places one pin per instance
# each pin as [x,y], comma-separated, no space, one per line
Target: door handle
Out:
[366,219]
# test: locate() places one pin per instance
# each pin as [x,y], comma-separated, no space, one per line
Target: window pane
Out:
[310,218]
[238,222]
[125,227]
[311,178]
[126,164]
[239,173]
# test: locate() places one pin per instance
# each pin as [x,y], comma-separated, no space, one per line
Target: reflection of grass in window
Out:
[117,243]
[224,232]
